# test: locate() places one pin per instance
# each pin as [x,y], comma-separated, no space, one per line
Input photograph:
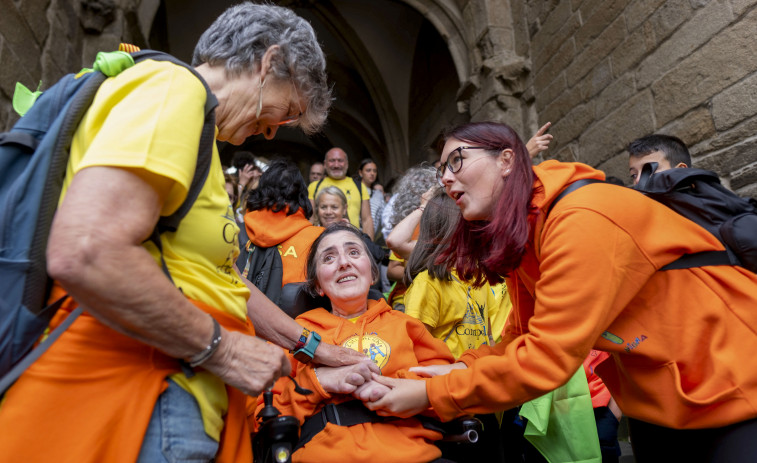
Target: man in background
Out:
[667,151]
[316,172]
[358,204]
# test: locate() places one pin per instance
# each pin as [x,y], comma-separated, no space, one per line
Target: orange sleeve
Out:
[428,350]
[570,311]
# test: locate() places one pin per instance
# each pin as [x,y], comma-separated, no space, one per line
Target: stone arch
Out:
[448,21]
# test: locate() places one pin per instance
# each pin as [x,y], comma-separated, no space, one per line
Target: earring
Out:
[260,98]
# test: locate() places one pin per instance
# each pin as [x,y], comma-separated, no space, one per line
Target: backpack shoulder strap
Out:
[317,185]
[571,188]
[359,185]
[205,150]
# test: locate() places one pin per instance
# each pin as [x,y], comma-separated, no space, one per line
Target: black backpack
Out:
[698,195]
[33,159]
[264,269]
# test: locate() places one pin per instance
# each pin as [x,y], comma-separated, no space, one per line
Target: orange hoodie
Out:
[681,342]
[293,234]
[395,342]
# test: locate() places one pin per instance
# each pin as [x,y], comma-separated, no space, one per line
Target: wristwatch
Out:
[306,353]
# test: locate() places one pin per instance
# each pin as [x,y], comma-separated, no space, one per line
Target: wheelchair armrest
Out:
[463,429]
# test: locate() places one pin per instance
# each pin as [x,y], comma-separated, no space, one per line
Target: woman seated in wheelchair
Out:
[336,426]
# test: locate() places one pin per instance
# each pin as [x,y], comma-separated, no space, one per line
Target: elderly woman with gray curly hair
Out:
[156,370]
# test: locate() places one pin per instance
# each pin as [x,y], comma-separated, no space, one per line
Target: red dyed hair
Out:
[489,250]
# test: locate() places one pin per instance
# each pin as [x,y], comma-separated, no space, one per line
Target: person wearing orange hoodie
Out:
[278,213]
[587,274]
[341,268]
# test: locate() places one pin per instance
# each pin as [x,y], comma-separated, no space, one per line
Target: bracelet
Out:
[420,208]
[202,356]
[301,342]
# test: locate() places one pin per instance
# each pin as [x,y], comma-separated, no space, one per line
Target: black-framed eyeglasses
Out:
[454,161]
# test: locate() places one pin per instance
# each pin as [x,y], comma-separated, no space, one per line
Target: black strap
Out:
[700,259]
[37,279]
[343,414]
[646,173]
[205,150]
[22,139]
[571,188]
[359,185]
[11,377]
[204,155]
[317,185]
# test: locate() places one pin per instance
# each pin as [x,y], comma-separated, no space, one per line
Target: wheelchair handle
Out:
[470,436]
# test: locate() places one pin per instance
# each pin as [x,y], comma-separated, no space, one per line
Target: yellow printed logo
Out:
[374,348]
[290,252]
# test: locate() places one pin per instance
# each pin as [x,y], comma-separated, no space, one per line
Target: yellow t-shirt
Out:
[457,313]
[348,187]
[502,310]
[149,117]
[397,295]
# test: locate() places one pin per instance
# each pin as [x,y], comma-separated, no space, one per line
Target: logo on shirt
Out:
[374,348]
[612,338]
[633,345]
[473,311]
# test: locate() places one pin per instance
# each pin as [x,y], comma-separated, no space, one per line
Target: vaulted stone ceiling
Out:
[394,78]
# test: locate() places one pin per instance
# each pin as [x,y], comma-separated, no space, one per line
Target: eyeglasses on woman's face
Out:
[454,161]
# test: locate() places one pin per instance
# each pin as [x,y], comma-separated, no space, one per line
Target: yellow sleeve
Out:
[148,117]
[423,301]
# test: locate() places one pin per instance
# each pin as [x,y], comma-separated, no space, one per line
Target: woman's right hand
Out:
[437,370]
[346,379]
[248,363]
[540,141]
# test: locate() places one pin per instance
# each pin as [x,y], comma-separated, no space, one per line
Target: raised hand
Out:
[540,141]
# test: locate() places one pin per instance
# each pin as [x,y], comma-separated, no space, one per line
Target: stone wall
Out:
[607,72]
[603,72]
[42,40]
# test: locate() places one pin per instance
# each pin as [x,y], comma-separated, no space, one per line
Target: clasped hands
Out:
[387,396]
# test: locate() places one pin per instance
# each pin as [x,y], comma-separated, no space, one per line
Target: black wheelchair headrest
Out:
[295,300]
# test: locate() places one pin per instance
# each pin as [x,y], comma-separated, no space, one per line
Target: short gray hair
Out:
[239,38]
[416,181]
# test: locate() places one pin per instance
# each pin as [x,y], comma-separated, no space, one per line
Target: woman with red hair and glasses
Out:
[586,274]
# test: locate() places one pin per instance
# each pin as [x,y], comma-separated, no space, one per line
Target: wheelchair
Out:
[280,436]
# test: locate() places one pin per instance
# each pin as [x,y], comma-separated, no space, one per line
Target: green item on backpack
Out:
[23,98]
[113,62]
[561,423]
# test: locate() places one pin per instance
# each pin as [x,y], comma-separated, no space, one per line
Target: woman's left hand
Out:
[371,391]
[406,398]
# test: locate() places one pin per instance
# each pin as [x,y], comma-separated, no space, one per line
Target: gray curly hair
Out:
[239,38]
[416,181]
